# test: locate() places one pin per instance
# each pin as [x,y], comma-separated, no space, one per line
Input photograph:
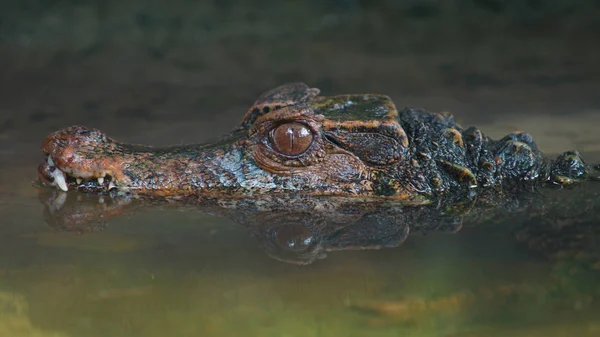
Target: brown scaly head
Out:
[293,141]
[290,141]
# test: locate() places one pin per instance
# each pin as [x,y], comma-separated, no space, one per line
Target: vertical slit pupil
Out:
[291,139]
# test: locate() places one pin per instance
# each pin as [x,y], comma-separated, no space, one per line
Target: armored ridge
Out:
[294,141]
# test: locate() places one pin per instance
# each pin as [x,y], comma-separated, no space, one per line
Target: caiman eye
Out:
[291,139]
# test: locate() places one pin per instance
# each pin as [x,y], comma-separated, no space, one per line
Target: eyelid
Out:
[268,121]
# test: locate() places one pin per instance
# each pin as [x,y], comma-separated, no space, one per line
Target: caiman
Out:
[292,141]
[308,175]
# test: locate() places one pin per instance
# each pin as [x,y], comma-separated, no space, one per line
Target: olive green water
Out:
[181,273]
[148,75]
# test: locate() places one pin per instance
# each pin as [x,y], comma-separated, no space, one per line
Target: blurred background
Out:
[182,71]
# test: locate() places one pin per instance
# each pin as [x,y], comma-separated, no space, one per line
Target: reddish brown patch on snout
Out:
[82,153]
[65,146]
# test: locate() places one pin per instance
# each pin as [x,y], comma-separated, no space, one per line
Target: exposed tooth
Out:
[111,185]
[50,161]
[79,180]
[101,200]
[59,179]
[100,181]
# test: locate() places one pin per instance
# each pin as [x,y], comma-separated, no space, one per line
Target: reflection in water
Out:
[297,230]
[300,230]
[192,282]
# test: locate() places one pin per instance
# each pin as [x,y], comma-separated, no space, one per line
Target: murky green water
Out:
[182,273]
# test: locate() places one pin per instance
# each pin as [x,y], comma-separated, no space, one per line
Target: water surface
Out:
[183,273]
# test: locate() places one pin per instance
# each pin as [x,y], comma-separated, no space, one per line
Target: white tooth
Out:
[79,180]
[111,185]
[101,200]
[59,179]
[50,161]
[100,181]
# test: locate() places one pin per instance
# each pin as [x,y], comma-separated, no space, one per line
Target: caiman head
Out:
[290,141]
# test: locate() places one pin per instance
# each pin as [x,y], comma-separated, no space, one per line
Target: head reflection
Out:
[302,232]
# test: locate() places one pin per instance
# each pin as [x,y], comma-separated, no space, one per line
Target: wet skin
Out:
[293,141]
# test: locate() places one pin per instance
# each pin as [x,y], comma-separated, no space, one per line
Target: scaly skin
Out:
[361,147]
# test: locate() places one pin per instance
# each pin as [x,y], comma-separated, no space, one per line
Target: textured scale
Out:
[361,146]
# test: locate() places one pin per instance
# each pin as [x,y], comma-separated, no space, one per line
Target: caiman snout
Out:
[78,154]
[86,159]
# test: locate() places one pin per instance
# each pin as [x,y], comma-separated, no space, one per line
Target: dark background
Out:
[183,71]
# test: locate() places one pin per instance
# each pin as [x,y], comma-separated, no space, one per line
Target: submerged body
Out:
[293,141]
